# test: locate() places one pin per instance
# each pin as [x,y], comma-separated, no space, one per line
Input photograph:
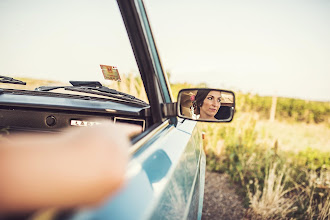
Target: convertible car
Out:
[89,44]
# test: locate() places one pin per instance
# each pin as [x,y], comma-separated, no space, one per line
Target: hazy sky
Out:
[266,47]
[62,40]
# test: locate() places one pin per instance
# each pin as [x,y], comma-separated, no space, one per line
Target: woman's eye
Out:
[210,98]
[219,100]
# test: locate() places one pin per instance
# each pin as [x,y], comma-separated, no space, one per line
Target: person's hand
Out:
[77,167]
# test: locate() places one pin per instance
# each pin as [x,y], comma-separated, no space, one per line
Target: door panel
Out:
[180,199]
[162,178]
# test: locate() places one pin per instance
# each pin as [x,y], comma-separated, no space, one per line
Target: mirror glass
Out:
[213,105]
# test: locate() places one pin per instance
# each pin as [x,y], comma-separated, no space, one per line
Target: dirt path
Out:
[220,198]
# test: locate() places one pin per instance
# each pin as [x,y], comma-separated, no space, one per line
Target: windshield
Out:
[49,43]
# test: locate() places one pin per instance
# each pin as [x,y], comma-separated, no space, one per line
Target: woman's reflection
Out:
[206,104]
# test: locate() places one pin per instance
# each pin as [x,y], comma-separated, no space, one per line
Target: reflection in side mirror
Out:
[212,105]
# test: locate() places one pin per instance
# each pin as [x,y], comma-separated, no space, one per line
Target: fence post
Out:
[273,109]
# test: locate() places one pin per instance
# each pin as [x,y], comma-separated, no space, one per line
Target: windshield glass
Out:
[49,43]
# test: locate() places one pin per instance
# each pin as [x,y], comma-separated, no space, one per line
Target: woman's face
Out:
[211,105]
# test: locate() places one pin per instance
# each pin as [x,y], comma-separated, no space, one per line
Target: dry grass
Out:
[130,84]
[324,209]
[253,151]
[31,84]
[318,187]
[295,137]
[271,201]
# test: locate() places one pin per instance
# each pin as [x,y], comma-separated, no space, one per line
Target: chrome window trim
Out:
[146,138]
[155,58]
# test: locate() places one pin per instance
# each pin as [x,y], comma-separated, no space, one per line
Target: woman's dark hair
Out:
[199,99]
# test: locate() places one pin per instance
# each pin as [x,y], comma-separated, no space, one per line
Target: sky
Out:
[267,47]
[62,40]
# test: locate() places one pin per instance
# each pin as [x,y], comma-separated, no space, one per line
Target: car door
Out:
[184,185]
[165,177]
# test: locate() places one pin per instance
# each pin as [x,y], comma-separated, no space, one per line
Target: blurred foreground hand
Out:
[77,167]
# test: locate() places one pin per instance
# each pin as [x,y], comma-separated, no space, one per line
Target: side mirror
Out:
[211,105]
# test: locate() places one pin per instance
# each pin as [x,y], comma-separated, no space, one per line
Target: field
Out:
[278,150]
[274,165]
[280,156]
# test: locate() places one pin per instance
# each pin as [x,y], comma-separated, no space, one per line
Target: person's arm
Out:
[77,167]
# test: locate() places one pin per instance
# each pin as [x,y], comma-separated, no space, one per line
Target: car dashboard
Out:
[35,111]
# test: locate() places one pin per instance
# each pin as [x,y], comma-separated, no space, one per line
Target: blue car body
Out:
[165,178]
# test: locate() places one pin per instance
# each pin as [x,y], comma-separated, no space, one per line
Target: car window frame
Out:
[145,51]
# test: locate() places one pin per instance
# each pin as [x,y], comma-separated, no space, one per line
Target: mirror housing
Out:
[205,104]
